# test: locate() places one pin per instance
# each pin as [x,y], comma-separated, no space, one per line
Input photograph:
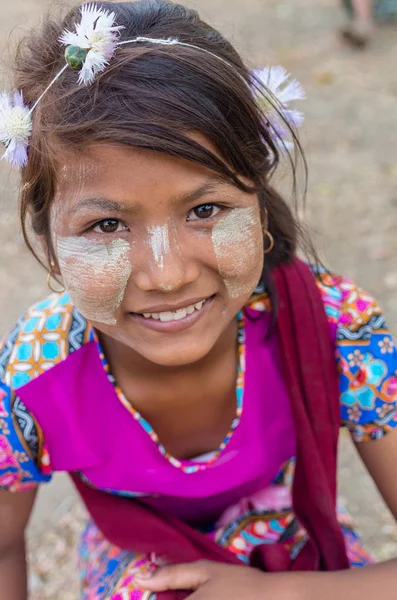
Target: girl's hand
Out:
[215,581]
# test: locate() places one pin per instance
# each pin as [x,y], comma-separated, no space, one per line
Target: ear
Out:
[47,254]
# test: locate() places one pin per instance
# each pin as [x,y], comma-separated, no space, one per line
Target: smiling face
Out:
[157,252]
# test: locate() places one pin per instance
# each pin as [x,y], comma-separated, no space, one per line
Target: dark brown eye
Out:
[108,226]
[205,211]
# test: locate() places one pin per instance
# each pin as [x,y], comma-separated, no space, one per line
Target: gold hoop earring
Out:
[50,276]
[267,233]
[271,242]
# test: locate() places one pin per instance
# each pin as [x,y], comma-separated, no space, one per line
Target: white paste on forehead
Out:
[78,171]
[236,239]
[95,274]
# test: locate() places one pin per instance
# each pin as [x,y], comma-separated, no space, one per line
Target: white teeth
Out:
[175,315]
[180,314]
[166,316]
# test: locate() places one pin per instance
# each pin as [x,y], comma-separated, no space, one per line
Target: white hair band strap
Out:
[91,47]
[176,42]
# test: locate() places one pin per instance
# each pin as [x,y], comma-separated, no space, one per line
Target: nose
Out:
[164,264]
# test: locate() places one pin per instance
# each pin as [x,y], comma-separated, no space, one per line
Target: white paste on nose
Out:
[237,241]
[169,287]
[159,243]
[95,274]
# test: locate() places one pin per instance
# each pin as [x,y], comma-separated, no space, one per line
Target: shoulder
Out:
[366,358]
[48,332]
[345,303]
[356,313]
[24,460]
[365,352]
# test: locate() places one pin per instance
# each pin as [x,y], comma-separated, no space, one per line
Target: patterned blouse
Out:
[51,330]
[366,358]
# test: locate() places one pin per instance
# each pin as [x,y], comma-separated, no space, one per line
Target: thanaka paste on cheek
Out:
[238,247]
[95,274]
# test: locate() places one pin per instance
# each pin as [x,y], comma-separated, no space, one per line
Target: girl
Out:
[194,375]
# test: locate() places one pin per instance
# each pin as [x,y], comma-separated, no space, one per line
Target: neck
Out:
[190,407]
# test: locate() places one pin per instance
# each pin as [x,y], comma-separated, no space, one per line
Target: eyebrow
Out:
[106,204]
[208,187]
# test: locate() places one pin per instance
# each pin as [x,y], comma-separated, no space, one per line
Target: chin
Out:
[171,349]
[178,356]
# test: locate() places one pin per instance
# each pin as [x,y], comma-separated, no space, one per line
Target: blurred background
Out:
[350,139]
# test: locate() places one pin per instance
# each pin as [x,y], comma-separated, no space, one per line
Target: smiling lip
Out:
[169,326]
[163,308]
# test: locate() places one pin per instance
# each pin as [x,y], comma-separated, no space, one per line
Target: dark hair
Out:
[163,93]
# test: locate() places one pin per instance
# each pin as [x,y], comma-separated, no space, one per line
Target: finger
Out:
[175,577]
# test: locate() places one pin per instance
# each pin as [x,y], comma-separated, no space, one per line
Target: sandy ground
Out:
[351,144]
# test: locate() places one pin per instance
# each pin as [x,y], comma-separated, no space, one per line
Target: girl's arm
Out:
[223,582]
[15,510]
[214,581]
[380,458]
[367,583]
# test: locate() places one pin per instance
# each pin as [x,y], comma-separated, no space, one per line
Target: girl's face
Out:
[156,252]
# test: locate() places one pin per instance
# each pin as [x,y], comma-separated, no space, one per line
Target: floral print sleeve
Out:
[44,336]
[24,460]
[367,362]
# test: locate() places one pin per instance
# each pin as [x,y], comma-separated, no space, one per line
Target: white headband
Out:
[90,48]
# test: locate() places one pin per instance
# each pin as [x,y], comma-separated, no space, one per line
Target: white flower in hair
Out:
[276,80]
[284,90]
[15,128]
[93,44]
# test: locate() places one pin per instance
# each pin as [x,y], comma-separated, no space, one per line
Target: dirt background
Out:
[350,138]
